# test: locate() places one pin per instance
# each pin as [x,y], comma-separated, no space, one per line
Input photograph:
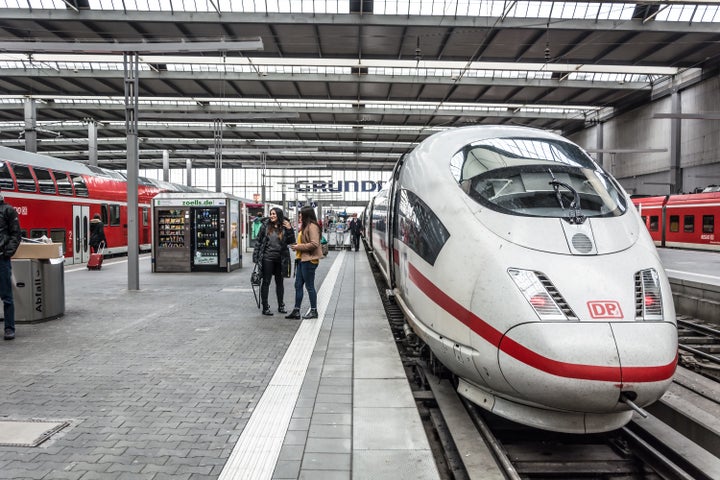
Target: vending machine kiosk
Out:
[196,232]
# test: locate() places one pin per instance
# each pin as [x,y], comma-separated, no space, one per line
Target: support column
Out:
[217,135]
[676,174]
[92,142]
[166,166]
[263,173]
[30,125]
[599,142]
[188,172]
[132,84]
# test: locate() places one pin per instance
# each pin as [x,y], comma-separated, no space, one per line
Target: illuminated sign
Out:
[339,186]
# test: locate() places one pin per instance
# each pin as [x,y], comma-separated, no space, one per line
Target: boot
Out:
[312,313]
[281,308]
[266,310]
[294,315]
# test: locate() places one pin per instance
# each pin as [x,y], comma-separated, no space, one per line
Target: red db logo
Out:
[604,309]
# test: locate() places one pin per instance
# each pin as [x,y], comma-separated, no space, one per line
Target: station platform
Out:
[185,379]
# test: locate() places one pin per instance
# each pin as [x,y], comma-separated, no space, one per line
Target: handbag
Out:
[256,276]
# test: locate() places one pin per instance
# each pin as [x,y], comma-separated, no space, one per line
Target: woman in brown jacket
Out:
[309,251]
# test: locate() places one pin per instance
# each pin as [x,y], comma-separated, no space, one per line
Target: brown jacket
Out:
[310,248]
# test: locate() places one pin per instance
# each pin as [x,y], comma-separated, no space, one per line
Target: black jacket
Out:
[355,227]
[288,238]
[97,232]
[9,230]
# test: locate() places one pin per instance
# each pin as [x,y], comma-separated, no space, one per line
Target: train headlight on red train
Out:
[648,297]
[541,294]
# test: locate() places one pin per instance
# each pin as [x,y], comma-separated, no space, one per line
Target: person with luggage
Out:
[9,242]
[97,234]
[355,227]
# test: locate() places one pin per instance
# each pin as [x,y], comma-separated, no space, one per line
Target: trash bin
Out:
[38,289]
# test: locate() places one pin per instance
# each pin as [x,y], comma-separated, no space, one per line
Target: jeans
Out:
[272,268]
[305,275]
[6,293]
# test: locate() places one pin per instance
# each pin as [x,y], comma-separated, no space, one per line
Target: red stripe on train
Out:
[534,359]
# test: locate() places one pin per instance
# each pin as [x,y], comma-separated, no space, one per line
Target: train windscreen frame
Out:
[536,177]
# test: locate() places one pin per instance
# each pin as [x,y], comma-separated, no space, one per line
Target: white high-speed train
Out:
[526,269]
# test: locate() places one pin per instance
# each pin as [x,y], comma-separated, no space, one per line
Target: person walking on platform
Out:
[355,227]
[273,255]
[9,242]
[308,251]
[97,233]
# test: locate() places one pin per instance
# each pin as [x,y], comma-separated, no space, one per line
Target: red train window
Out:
[63,183]
[708,223]
[654,223]
[689,224]
[674,223]
[25,179]
[45,181]
[6,180]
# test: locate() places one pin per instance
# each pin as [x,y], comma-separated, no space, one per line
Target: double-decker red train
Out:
[682,221]
[57,198]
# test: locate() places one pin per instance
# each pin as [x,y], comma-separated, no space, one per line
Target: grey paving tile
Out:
[286,469]
[326,461]
[328,445]
[324,475]
[394,465]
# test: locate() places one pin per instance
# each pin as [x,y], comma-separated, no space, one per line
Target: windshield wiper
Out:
[575,215]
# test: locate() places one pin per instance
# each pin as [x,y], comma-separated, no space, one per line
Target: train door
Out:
[81,233]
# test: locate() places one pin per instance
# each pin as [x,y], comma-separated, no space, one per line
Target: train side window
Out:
[25,180]
[145,216]
[114,214]
[80,187]
[38,232]
[104,215]
[63,183]
[674,223]
[6,180]
[654,223]
[689,224]
[708,223]
[418,227]
[45,181]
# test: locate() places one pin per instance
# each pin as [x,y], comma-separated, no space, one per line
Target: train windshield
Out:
[536,177]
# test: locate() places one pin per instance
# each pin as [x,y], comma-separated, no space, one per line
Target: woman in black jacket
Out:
[273,256]
[97,233]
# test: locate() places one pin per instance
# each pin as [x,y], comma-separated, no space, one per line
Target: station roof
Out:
[341,84]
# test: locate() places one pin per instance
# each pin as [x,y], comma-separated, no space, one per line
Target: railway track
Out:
[471,443]
[699,346]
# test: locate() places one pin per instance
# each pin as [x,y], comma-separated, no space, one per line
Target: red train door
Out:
[81,233]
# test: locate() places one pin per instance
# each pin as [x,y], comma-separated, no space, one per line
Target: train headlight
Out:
[648,298]
[541,294]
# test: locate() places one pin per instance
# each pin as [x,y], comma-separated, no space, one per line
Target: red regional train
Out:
[682,221]
[57,198]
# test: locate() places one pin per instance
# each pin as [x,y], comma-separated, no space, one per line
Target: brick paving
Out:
[156,383]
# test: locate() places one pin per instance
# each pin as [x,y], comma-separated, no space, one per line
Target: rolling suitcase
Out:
[96,259]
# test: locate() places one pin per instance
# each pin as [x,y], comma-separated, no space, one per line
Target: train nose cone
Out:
[585,366]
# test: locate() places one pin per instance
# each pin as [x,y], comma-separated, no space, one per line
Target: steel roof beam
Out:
[337,20]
